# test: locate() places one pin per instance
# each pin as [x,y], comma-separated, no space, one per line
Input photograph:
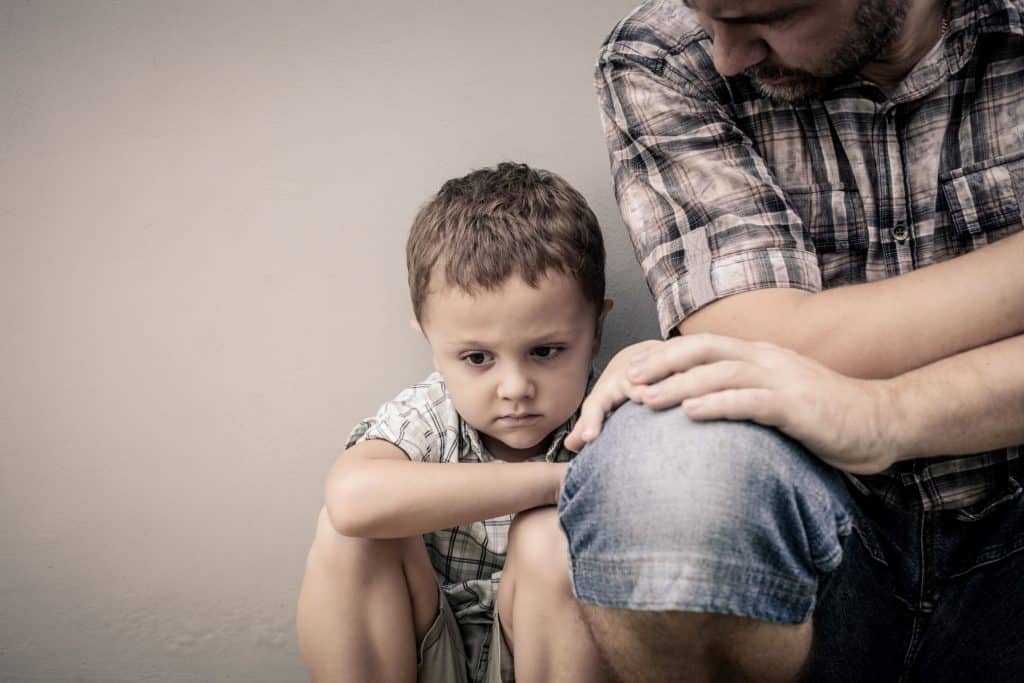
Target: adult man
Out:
[787,170]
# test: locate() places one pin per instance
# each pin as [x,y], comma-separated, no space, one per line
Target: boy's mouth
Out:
[517,419]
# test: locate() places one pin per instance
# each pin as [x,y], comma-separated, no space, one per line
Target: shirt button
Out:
[900,232]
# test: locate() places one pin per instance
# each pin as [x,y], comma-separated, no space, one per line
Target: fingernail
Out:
[651,392]
[638,358]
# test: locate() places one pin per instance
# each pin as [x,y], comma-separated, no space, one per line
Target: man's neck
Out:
[921,29]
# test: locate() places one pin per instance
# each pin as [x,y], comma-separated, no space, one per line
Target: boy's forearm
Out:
[395,498]
[884,328]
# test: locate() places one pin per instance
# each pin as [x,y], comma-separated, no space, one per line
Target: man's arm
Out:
[970,402]
[724,252]
[884,328]
[375,491]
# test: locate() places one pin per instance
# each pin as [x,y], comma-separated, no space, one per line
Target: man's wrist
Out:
[895,422]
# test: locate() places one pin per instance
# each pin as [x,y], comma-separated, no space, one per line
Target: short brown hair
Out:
[481,229]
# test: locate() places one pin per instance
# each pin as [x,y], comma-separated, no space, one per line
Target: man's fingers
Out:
[682,353]
[759,405]
[704,379]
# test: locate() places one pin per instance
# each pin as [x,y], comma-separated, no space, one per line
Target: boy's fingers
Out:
[591,419]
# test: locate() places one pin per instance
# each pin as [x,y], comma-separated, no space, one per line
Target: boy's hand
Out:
[610,391]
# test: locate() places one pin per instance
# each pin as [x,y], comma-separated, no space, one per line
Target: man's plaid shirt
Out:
[422,421]
[725,191]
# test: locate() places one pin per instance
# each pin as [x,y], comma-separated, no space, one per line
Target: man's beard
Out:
[876,24]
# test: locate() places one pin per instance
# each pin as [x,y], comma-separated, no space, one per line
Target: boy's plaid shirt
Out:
[467,560]
[724,191]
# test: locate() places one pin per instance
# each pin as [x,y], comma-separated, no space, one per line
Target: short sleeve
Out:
[705,216]
[420,420]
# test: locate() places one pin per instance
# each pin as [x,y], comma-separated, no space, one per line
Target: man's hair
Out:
[485,227]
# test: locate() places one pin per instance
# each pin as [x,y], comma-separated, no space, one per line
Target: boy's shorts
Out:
[443,658]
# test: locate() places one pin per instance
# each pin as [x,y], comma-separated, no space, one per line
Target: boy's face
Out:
[515,359]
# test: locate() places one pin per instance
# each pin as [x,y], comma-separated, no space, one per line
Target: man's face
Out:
[515,359]
[791,49]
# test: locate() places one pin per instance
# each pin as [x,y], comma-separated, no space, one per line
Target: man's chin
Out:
[788,89]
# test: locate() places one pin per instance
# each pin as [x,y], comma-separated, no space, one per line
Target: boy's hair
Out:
[481,229]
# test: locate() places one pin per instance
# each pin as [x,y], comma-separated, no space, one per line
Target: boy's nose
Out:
[515,385]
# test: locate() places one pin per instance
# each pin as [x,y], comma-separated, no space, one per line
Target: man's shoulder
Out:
[662,36]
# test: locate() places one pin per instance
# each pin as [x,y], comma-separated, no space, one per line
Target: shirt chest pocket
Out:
[833,215]
[984,199]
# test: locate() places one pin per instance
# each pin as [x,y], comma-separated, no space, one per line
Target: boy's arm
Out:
[375,491]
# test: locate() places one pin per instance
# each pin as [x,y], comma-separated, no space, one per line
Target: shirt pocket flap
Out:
[984,197]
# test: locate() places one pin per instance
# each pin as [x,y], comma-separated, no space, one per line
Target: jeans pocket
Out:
[984,533]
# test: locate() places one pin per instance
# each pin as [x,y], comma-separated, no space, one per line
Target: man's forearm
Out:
[395,499]
[970,402]
[884,328]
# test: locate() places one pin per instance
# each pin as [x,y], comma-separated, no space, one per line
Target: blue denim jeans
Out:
[662,513]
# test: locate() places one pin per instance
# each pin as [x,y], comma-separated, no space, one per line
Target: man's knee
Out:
[662,512]
[647,453]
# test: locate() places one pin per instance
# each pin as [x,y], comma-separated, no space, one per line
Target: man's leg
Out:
[700,546]
[364,606]
[546,633]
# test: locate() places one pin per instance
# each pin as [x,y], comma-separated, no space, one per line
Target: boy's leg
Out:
[539,615]
[364,606]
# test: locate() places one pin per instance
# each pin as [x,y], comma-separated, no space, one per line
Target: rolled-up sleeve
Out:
[705,216]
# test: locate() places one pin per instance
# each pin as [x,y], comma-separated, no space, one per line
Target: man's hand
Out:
[610,391]
[845,421]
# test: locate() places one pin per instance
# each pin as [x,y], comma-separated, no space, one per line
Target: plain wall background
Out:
[203,208]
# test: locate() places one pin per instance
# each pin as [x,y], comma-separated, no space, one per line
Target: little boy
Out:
[506,272]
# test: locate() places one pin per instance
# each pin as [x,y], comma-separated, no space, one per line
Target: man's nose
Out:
[735,47]
[515,384]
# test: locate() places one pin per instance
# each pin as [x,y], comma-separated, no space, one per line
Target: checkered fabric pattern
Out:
[422,421]
[724,191]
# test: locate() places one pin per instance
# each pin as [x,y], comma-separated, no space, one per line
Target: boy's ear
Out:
[416,327]
[608,305]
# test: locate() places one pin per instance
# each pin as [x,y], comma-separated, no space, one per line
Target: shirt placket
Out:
[895,226]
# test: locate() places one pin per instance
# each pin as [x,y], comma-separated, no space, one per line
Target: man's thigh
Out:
[926,597]
[663,513]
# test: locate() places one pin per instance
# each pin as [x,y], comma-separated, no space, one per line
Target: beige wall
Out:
[202,214]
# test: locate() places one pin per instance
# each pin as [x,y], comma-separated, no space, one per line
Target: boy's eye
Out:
[547,351]
[477,358]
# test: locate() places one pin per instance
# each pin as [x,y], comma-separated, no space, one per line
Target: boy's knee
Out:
[336,550]
[537,549]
